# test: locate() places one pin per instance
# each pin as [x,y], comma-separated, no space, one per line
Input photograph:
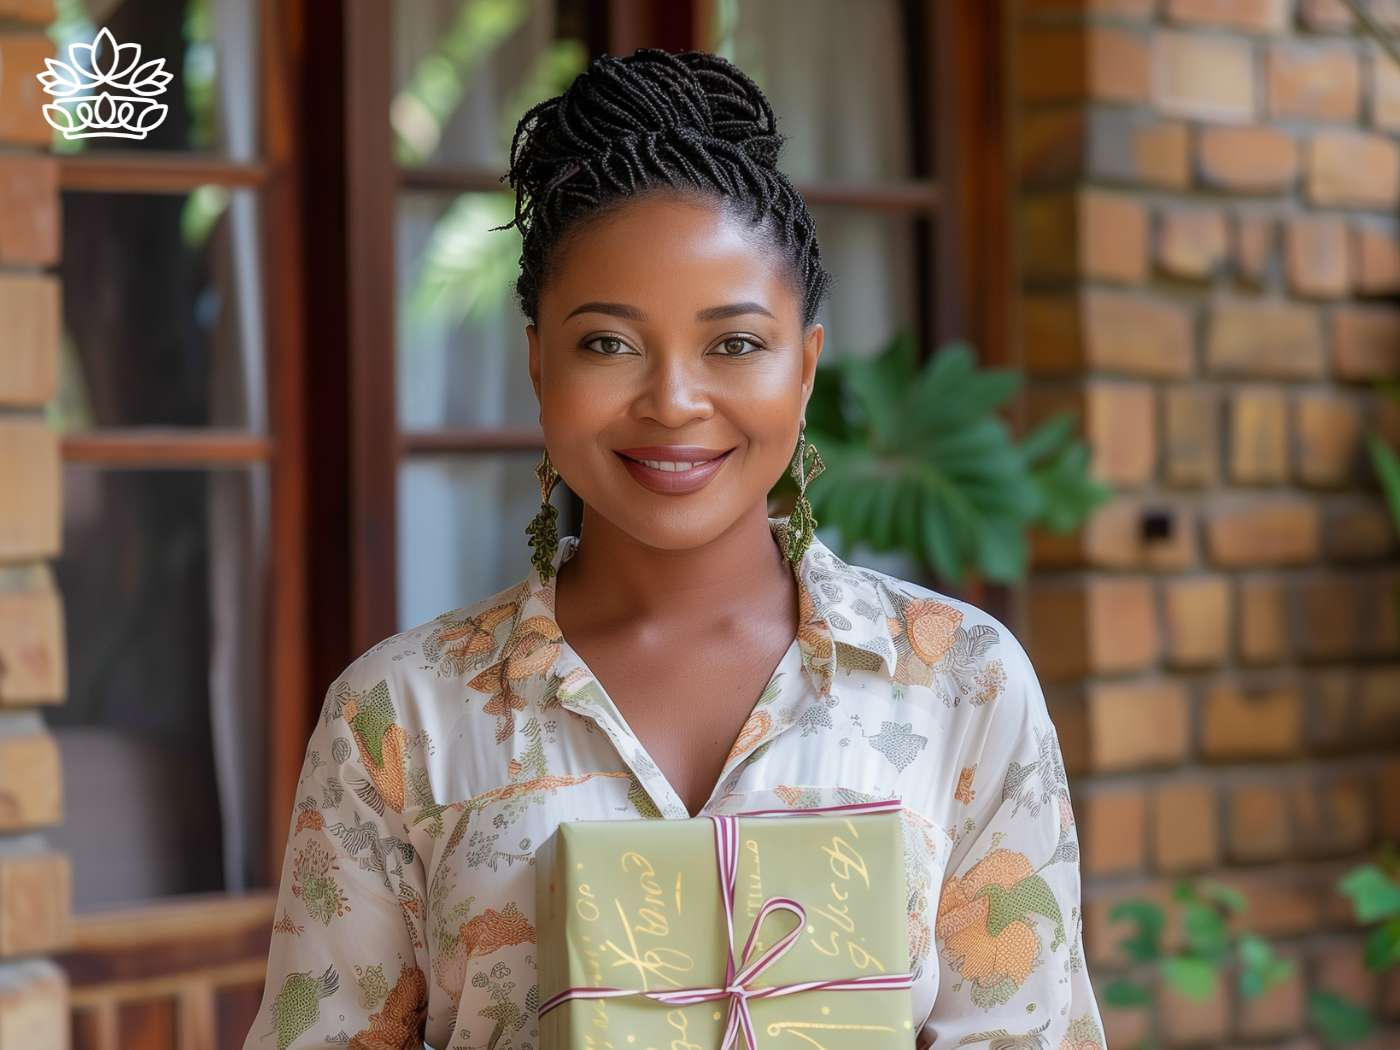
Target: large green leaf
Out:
[1338,1019]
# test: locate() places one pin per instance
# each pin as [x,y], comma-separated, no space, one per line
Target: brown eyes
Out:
[613,345]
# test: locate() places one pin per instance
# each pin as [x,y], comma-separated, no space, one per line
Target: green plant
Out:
[1211,948]
[918,460]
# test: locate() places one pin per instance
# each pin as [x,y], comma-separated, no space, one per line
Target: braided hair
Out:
[690,122]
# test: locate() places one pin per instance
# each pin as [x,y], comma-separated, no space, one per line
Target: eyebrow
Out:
[631,313]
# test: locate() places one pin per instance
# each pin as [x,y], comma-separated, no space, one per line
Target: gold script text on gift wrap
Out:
[646,925]
[831,925]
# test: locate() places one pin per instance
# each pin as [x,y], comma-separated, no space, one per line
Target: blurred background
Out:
[1112,352]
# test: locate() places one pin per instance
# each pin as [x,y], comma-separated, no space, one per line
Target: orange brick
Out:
[1260,825]
[29,201]
[22,116]
[1248,159]
[39,12]
[1329,626]
[31,782]
[1388,799]
[1353,168]
[1339,966]
[1090,234]
[1191,242]
[1137,725]
[1253,247]
[29,328]
[1330,703]
[1064,63]
[1185,1021]
[1376,257]
[1192,434]
[1103,935]
[1198,621]
[1106,331]
[1140,9]
[1202,77]
[1380,614]
[1263,622]
[1114,827]
[1258,16]
[1120,423]
[1329,438]
[1258,435]
[1385,91]
[1269,338]
[1263,531]
[1185,829]
[1264,722]
[1332,816]
[1280,1010]
[1378,706]
[1326,15]
[1113,538]
[1314,82]
[29,490]
[31,637]
[1282,901]
[1162,154]
[1318,256]
[1094,625]
[1357,528]
[1366,342]
[35,903]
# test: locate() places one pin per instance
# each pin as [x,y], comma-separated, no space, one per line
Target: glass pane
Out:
[874,287]
[162,576]
[462,353]
[462,526]
[161,286]
[209,50]
[465,71]
[834,73]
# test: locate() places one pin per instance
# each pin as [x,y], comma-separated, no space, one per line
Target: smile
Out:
[673,476]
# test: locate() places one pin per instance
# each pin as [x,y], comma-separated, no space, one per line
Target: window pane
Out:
[462,526]
[210,51]
[161,734]
[874,288]
[465,71]
[162,311]
[462,354]
[835,73]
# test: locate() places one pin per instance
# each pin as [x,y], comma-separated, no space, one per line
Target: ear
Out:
[811,352]
[532,336]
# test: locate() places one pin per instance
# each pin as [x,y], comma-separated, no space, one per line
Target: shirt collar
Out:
[842,616]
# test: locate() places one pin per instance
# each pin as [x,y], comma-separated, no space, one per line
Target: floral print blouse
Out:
[445,754]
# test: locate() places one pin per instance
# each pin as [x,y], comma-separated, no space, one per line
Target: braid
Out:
[690,120]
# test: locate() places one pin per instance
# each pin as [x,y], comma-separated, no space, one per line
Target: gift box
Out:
[777,928]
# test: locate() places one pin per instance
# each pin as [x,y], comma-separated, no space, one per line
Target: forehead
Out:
[662,252]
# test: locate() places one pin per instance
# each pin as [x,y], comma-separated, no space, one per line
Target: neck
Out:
[738,575]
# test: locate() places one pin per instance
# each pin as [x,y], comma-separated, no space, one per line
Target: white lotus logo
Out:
[104,91]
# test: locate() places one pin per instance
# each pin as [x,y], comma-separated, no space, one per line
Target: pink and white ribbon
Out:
[737,976]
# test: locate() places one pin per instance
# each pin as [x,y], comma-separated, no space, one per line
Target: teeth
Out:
[661,464]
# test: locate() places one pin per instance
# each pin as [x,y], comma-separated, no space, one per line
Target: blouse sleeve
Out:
[1009,927]
[343,961]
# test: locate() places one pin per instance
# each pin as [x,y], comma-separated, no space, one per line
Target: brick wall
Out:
[1210,268]
[34,880]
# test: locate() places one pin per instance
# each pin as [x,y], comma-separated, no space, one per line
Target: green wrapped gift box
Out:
[635,942]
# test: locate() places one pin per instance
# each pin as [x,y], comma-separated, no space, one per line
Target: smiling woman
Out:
[686,653]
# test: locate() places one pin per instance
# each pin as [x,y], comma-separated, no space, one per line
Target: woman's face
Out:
[668,323]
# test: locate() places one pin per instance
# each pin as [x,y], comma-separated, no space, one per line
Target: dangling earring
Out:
[802,524]
[542,530]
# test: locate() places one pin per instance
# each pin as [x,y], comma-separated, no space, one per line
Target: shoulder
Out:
[409,671]
[961,652]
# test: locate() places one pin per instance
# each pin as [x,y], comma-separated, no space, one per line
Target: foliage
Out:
[918,460]
[1211,948]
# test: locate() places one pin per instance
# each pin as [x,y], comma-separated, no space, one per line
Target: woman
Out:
[687,653]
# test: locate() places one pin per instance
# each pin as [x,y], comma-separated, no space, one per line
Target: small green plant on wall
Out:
[1216,945]
[917,460]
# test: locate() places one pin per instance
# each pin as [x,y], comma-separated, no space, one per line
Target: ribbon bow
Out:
[738,977]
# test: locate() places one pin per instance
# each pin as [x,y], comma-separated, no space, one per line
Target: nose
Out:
[674,391]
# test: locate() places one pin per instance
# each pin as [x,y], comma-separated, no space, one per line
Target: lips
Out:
[675,480]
